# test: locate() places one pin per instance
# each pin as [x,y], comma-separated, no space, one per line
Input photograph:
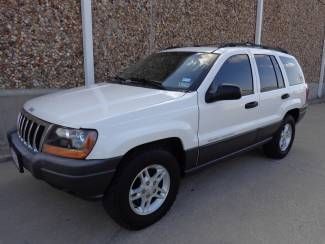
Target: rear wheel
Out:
[282,140]
[144,189]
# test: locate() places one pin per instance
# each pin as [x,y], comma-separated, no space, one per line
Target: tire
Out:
[116,200]
[273,149]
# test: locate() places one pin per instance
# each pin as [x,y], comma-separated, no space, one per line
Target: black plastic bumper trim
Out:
[302,112]
[83,177]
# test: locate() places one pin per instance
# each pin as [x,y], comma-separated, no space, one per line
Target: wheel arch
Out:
[173,145]
[294,113]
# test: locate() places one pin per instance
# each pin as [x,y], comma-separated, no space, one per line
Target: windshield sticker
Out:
[185,82]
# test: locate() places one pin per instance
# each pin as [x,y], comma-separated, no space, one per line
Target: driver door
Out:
[228,126]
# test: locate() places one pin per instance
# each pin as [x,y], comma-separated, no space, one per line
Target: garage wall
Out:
[41,41]
[40,44]
[125,31]
[298,26]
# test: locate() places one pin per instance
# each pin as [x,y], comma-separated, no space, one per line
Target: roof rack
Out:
[250,44]
[171,47]
[235,44]
[194,45]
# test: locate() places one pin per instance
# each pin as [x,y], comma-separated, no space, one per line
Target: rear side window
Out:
[236,70]
[278,72]
[293,71]
[266,72]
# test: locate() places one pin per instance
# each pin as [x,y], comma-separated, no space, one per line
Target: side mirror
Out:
[224,92]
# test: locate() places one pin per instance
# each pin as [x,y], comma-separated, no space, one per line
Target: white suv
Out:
[132,138]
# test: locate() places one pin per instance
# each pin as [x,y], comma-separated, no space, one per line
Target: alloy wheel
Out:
[149,189]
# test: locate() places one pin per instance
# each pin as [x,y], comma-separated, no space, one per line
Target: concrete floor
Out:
[250,199]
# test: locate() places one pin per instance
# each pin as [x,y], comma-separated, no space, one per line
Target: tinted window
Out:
[236,71]
[293,71]
[266,72]
[278,72]
[172,70]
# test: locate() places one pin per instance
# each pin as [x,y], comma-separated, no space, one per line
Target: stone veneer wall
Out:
[41,40]
[298,26]
[40,44]
[125,31]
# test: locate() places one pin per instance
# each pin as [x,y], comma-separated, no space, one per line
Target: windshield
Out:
[181,71]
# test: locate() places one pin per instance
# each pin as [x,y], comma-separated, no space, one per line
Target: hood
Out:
[79,106]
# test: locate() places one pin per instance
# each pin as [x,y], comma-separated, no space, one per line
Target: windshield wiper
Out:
[137,80]
[148,82]
[118,78]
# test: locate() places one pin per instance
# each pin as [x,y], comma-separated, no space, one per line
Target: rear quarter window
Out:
[293,71]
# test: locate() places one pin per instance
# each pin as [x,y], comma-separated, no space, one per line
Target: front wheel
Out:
[282,140]
[144,189]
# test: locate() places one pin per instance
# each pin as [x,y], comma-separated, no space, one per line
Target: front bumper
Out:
[87,178]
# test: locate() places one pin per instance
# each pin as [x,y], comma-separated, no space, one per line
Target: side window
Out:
[236,70]
[278,72]
[293,71]
[268,78]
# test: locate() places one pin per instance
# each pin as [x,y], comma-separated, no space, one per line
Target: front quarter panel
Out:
[175,118]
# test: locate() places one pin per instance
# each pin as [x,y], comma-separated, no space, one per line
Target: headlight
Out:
[70,143]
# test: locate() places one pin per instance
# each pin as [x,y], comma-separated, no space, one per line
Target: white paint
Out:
[129,116]
[259,21]
[322,74]
[223,119]
[235,118]
[124,116]
[87,34]
[80,106]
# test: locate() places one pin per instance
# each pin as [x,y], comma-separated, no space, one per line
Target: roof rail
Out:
[194,45]
[171,47]
[235,44]
[250,44]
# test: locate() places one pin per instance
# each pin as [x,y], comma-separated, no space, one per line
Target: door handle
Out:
[251,105]
[285,96]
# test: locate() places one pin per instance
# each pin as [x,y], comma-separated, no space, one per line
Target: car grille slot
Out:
[31,131]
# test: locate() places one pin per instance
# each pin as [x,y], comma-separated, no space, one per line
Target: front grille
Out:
[31,130]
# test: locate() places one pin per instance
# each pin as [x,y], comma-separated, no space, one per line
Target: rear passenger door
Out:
[273,94]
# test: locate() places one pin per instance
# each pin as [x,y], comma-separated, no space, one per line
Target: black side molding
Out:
[218,150]
[230,155]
